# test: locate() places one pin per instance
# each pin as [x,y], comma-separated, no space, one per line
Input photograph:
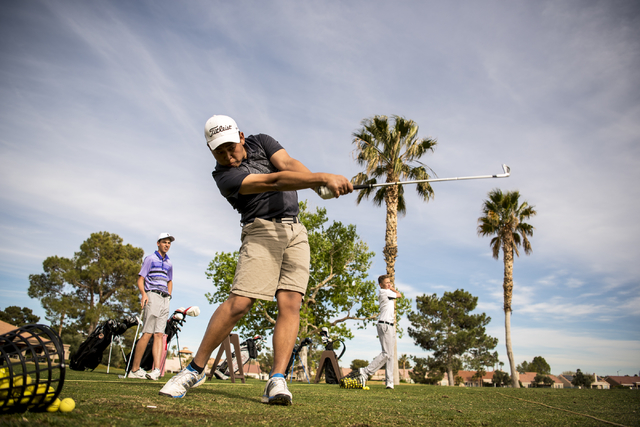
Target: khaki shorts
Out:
[272,257]
[155,314]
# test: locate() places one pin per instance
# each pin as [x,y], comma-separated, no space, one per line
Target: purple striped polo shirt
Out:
[157,272]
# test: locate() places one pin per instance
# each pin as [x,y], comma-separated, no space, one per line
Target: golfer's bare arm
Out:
[143,295]
[293,175]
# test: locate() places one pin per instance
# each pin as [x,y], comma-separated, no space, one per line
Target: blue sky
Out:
[103,112]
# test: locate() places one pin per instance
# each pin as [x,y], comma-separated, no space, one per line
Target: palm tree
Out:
[388,151]
[504,217]
[404,360]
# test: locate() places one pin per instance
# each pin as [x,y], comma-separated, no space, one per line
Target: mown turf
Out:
[104,400]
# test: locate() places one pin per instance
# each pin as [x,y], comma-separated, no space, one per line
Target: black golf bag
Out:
[89,354]
[294,354]
[329,374]
[174,323]
[249,349]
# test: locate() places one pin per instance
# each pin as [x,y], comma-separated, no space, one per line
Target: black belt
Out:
[279,220]
[164,294]
[386,323]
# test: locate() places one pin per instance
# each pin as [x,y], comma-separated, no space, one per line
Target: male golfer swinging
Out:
[259,179]
[386,333]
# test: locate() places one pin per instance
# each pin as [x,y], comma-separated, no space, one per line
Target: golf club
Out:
[133,346]
[325,193]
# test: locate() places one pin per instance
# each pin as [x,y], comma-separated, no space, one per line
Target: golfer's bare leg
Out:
[141,346]
[220,325]
[286,330]
[157,350]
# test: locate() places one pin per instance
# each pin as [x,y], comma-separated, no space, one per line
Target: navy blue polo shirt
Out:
[272,204]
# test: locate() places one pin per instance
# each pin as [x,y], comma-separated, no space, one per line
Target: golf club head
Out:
[178,316]
[506,169]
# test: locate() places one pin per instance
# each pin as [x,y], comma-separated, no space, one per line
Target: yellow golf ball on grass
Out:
[67,405]
[54,406]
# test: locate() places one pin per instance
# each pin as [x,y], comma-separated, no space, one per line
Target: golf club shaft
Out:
[507,172]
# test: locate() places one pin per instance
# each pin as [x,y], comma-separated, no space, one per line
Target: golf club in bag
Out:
[296,350]
[89,354]
[325,193]
[329,374]
[32,369]
[175,321]
[249,349]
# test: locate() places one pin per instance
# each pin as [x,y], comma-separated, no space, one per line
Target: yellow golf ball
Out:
[366,387]
[54,406]
[67,405]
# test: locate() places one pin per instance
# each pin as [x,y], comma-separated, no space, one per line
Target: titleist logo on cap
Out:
[217,129]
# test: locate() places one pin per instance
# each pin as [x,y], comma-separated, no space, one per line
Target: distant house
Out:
[527,380]
[175,364]
[379,375]
[625,381]
[598,382]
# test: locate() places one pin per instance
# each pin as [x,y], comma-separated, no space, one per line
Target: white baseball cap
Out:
[166,236]
[219,130]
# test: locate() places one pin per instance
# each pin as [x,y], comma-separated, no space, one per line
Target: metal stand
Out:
[293,366]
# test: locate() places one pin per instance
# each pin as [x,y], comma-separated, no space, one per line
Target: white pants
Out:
[386,335]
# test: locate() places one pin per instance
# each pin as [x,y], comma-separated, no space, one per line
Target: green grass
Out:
[105,400]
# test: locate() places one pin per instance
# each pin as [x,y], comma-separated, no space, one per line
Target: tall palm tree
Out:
[504,217]
[389,151]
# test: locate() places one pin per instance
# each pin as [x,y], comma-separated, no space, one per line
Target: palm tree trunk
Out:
[508,296]
[390,252]
[514,371]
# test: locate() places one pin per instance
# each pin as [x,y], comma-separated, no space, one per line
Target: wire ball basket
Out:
[32,369]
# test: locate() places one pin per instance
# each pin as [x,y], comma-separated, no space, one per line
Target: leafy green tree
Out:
[538,364]
[504,217]
[479,358]
[523,367]
[337,291]
[538,380]
[446,327]
[391,152]
[17,316]
[582,380]
[420,373]
[500,378]
[98,283]
[265,359]
[548,381]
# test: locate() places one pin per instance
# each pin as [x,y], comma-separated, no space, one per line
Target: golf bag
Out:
[294,354]
[249,349]
[329,374]
[89,354]
[174,323]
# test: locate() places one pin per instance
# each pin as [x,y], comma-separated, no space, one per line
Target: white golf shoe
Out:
[181,382]
[276,392]
[140,374]
[154,375]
